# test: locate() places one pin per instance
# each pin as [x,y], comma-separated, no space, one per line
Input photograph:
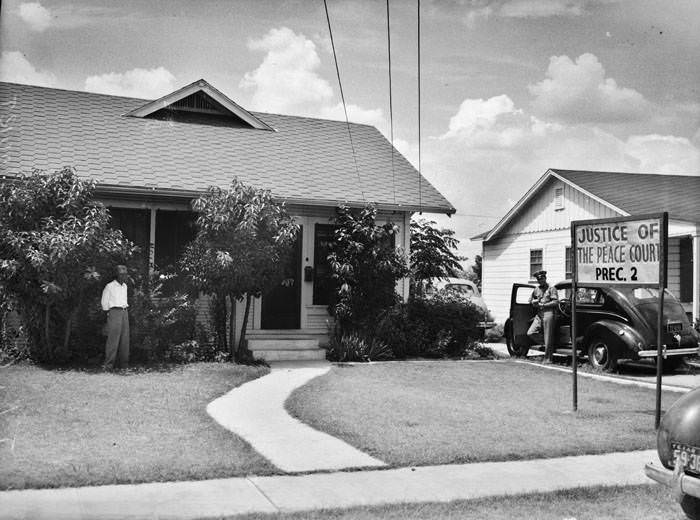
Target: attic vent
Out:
[199,102]
[558,198]
[199,108]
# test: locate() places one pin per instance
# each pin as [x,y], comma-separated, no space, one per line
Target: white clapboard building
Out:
[536,233]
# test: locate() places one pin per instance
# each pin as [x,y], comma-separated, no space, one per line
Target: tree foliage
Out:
[56,249]
[243,237]
[366,266]
[432,252]
[474,273]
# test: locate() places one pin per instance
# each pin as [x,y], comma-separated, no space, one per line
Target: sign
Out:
[621,251]
[625,250]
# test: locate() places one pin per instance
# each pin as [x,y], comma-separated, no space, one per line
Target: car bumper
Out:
[681,483]
[666,352]
[486,324]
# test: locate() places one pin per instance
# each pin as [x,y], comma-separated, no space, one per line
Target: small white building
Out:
[536,233]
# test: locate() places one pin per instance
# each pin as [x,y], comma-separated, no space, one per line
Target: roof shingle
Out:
[304,159]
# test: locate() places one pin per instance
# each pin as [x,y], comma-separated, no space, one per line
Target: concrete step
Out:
[291,355]
[282,344]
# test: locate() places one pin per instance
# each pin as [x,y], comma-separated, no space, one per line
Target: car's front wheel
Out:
[691,507]
[601,356]
[513,349]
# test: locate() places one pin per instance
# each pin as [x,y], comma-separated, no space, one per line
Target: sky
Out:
[508,88]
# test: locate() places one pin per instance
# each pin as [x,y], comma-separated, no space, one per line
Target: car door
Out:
[521,313]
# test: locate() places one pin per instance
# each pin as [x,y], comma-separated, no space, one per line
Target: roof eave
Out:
[131,192]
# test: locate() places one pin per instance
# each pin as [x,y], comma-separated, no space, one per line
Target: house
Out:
[151,158]
[536,233]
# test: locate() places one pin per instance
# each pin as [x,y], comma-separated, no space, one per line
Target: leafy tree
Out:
[432,253]
[55,250]
[243,237]
[475,272]
[365,266]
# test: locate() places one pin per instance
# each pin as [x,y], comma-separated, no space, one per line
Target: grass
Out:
[647,502]
[429,413]
[75,428]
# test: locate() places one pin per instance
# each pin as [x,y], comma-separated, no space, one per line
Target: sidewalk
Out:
[225,497]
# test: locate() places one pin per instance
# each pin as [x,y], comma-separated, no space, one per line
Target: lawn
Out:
[650,502]
[447,412]
[75,428]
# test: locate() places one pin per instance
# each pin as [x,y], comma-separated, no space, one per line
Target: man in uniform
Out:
[544,299]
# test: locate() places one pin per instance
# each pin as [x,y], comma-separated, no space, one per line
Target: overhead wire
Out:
[391,105]
[420,176]
[342,97]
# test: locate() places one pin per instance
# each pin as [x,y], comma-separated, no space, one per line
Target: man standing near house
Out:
[544,299]
[114,303]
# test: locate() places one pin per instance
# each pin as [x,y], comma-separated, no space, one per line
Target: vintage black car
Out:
[612,323]
[678,446]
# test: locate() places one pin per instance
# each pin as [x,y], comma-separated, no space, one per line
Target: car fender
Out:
[626,340]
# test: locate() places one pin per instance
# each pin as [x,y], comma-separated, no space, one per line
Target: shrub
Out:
[439,327]
[159,323]
[13,343]
[192,351]
[353,347]
[55,248]
[365,266]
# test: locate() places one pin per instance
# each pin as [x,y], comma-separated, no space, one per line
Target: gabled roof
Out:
[305,160]
[624,193]
[199,86]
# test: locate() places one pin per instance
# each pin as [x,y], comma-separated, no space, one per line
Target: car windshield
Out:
[460,288]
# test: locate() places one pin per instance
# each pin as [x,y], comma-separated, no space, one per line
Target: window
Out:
[535,261]
[568,270]
[558,198]
[461,289]
[584,295]
[324,286]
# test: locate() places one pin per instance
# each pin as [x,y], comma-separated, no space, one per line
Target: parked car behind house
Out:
[612,323]
[465,289]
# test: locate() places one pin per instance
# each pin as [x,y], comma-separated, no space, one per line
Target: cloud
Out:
[36,16]
[540,8]
[663,154]
[15,68]
[139,83]
[579,92]
[493,151]
[485,122]
[482,9]
[287,80]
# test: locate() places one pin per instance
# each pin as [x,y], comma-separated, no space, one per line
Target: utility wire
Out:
[420,177]
[345,110]
[391,106]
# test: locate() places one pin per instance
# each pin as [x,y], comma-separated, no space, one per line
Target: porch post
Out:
[152,243]
[696,274]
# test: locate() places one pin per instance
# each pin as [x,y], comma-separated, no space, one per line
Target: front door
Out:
[281,307]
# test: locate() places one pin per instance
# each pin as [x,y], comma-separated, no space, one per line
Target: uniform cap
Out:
[537,274]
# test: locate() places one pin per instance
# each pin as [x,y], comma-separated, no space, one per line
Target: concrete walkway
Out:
[225,497]
[255,411]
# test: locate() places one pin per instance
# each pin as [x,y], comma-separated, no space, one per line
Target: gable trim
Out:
[531,194]
[199,86]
